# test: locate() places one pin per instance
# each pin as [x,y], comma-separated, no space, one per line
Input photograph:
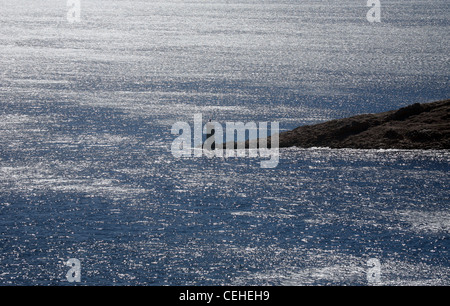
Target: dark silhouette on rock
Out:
[210,134]
[418,126]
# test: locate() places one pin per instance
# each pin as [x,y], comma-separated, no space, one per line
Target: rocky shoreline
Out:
[418,126]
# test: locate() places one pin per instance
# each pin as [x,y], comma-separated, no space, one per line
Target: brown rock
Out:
[418,126]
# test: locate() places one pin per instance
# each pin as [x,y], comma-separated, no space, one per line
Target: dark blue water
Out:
[86,169]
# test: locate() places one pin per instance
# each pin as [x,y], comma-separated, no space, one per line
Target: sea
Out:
[89,95]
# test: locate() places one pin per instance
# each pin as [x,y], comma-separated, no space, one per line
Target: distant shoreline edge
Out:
[423,126]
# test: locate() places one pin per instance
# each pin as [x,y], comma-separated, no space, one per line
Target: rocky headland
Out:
[418,126]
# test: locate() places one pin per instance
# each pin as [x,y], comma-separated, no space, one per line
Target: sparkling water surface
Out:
[86,169]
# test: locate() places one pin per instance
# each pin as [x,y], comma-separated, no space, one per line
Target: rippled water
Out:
[85,163]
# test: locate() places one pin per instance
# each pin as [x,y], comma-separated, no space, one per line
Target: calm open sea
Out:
[86,170]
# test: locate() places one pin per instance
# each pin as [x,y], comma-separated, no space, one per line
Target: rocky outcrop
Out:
[418,126]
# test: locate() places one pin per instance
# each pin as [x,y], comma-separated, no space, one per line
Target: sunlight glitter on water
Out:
[85,164]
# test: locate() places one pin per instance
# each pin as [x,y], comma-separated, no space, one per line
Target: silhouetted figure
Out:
[210,127]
